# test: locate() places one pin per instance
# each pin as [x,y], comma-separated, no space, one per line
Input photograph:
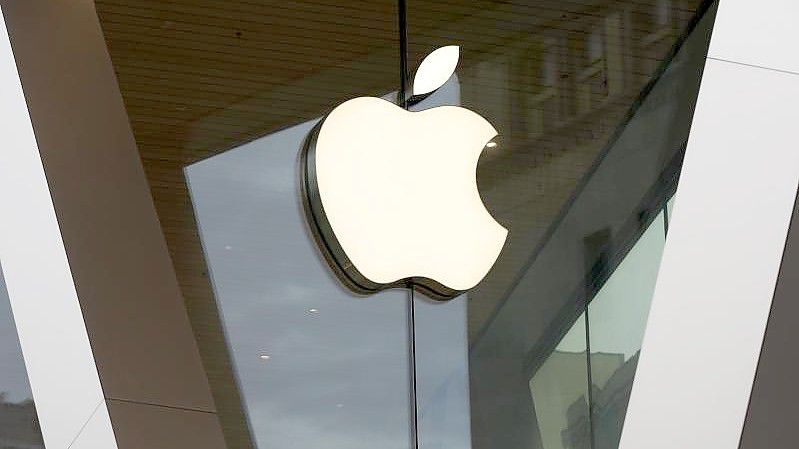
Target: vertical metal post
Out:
[414,415]
[403,47]
[402,98]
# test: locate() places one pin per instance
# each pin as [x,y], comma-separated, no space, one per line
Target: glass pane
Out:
[559,389]
[317,366]
[19,426]
[617,316]
[593,105]
[442,370]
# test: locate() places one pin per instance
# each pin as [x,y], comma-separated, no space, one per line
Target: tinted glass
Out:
[592,102]
[559,393]
[317,366]
[618,315]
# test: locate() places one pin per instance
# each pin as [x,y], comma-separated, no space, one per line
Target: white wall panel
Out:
[720,264]
[113,309]
[97,432]
[761,33]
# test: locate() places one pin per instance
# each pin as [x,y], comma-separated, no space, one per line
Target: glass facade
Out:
[593,120]
[592,101]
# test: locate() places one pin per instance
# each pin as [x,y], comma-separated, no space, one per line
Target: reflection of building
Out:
[610,405]
[559,384]
[560,398]
[582,83]
[609,397]
[19,428]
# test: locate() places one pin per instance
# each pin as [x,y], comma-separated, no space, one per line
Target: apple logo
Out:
[391,195]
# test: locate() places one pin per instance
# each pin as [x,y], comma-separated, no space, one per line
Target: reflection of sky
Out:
[13,377]
[337,378]
[443,374]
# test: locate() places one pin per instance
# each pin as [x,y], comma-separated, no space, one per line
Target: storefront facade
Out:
[165,285]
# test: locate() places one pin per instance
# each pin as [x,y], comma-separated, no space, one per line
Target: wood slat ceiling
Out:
[200,76]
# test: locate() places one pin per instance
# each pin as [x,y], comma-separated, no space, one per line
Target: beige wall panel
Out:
[133,308]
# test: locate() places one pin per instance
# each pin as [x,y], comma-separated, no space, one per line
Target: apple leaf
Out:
[436,69]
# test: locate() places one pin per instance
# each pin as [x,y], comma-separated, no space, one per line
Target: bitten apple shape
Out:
[393,196]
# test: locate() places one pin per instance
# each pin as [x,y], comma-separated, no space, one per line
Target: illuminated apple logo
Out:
[391,195]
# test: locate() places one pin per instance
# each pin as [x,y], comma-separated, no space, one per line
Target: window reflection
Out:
[618,315]
[317,366]
[442,371]
[593,111]
[559,390]
[592,108]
